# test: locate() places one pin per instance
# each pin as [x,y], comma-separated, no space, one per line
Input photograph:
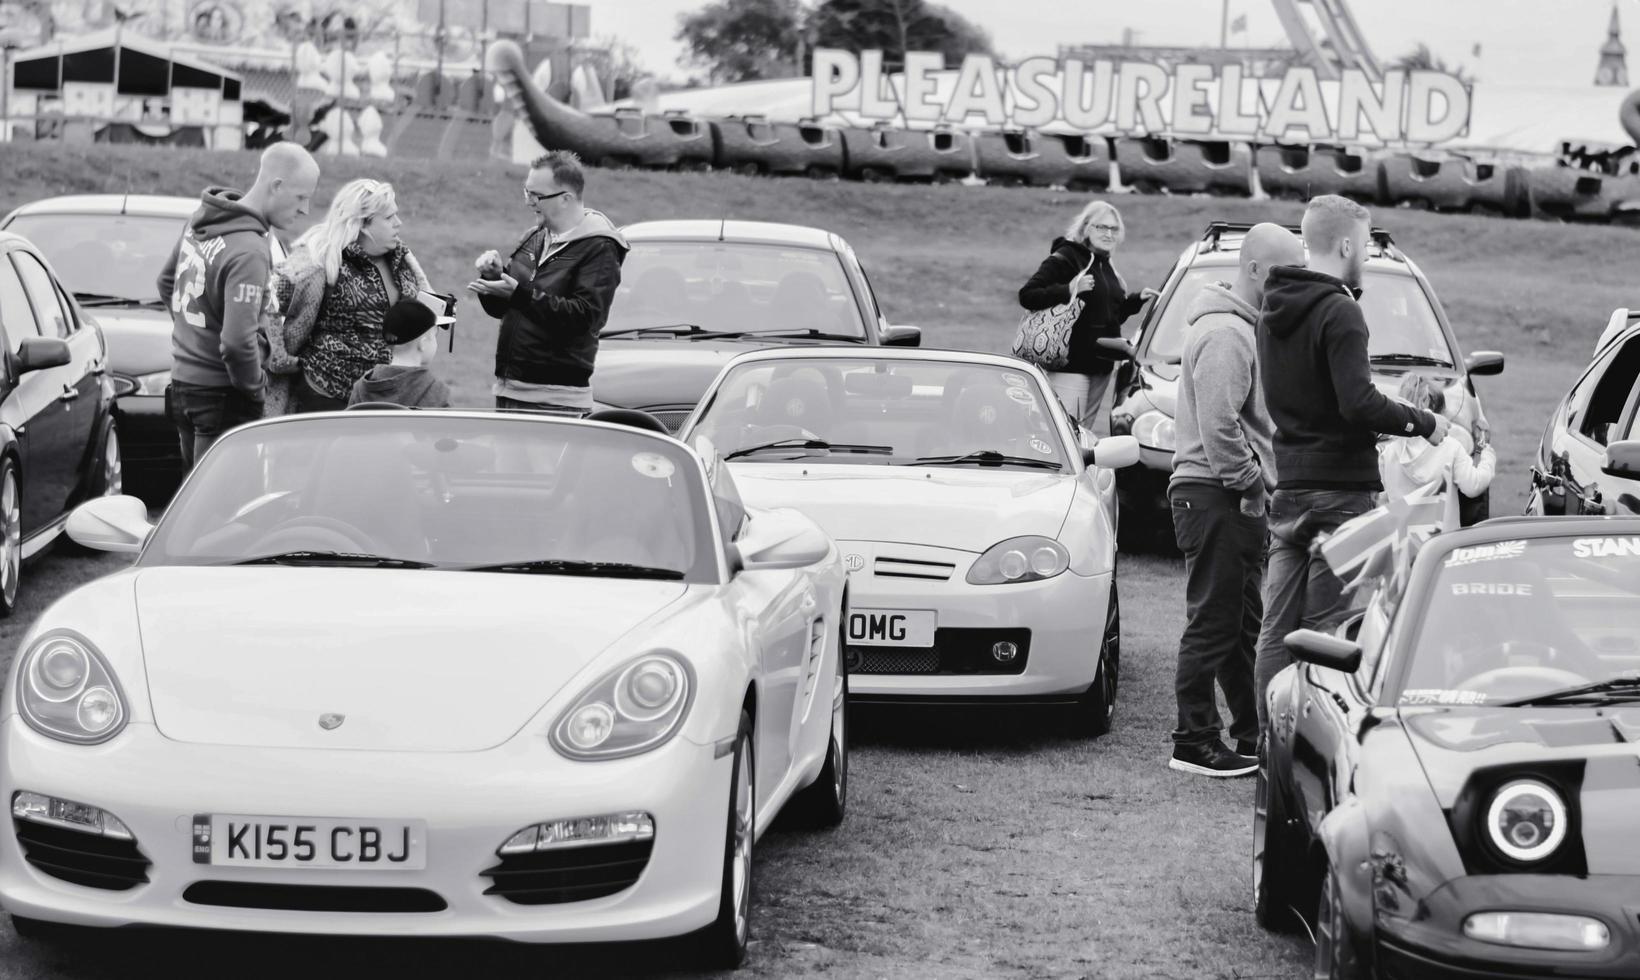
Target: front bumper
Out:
[472,802]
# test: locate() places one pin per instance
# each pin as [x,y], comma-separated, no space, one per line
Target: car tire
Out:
[824,802]
[722,944]
[1094,711]
[1275,863]
[1335,953]
[11,536]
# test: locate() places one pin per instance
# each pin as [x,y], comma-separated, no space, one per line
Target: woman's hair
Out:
[1078,228]
[1420,393]
[356,203]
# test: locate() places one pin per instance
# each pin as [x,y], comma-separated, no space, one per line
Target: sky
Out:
[1536,42]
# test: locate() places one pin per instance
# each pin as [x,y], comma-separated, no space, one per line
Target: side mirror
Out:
[35,353]
[110,523]
[1112,452]
[1484,362]
[1622,460]
[901,336]
[1324,650]
[774,541]
[1118,348]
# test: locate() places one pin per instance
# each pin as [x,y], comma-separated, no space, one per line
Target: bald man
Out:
[1221,473]
[217,285]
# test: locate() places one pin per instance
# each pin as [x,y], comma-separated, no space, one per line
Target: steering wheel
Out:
[780,433]
[1507,683]
[313,532]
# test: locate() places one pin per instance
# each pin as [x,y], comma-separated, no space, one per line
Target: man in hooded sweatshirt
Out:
[217,285]
[552,296]
[1312,355]
[1222,469]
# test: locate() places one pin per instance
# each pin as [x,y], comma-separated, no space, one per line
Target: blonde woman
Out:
[343,275]
[1079,264]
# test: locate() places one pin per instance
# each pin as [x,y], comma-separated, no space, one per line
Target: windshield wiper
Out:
[1409,359]
[1622,688]
[984,457]
[108,299]
[675,329]
[817,444]
[816,334]
[567,566]
[333,558]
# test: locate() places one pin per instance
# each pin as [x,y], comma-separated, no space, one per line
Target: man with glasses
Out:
[552,296]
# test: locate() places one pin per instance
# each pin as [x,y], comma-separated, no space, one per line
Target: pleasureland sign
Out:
[1138,98]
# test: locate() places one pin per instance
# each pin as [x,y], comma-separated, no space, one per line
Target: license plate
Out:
[891,627]
[310,842]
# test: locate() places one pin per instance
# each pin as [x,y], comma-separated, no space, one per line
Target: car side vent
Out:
[816,657]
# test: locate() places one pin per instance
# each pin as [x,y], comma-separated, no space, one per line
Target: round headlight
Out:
[97,710]
[60,671]
[1013,565]
[1045,561]
[590,726]
[1527,820]
[648,689]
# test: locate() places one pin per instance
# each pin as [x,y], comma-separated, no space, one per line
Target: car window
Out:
[734,286]
[49,313]
[1603,397]
[15,309]
[117,255]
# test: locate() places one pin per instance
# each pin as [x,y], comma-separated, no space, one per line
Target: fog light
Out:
[1004,651]
[67,813]
[611,828]
[1538,930]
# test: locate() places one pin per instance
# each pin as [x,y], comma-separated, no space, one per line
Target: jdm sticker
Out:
[1485,552]
[653,465]
[1041,447]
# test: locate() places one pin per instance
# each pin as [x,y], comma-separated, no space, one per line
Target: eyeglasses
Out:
[1108,229]
[534,198]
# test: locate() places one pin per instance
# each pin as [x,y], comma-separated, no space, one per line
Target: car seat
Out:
[797,405]
[800,303]
[1504,614]
[658,295]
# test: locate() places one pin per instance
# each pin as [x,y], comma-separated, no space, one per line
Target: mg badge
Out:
[854,562]
[330,722]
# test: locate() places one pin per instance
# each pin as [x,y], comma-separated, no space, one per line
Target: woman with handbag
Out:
[1075,297]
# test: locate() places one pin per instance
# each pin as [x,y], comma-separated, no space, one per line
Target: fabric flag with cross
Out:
[1380,545]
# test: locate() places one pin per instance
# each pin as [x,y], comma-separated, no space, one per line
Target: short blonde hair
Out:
[1329,219]
[1077,231]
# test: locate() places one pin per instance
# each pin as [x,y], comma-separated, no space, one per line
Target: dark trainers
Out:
[1211,759]
[1247,746]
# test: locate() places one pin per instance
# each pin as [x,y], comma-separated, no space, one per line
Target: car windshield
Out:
[882,412]
[1400,321]
[118,255]
[733,287]
[447,491]
[1519,619]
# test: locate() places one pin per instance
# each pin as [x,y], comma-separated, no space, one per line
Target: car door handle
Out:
[69,394]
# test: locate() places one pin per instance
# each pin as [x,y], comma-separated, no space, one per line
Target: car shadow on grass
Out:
[1006,728]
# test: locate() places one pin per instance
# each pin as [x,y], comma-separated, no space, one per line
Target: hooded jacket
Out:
[217,285]
[550,324]
[1312,357]
[1222,431]
[1104,308]
[1409,462]
[402,384]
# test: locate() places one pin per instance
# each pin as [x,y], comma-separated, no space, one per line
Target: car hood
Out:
[660,373]
[416,661]
[139,339]
[962,508]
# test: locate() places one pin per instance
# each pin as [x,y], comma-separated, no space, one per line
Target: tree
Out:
[616,62]
[743,40]
[895,27]
[1421,58]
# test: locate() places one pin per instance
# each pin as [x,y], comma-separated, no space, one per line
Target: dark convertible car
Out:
[1450,785]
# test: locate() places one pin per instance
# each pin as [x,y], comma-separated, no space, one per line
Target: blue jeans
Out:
[202,413]
[505,404]
[1300,591]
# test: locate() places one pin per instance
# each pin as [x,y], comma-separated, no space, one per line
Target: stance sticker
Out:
[1485,552]
[1440,696]
[653,465]
[1606,547]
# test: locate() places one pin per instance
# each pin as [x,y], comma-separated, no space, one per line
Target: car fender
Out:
[1344,837]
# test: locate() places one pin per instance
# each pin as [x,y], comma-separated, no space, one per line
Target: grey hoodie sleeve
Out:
[244,280]
[1221,373]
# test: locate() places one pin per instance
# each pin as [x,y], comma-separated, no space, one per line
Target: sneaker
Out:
[1247,746]
[1211,759]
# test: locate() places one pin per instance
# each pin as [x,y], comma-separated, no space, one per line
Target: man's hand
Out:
[489,264]
[1442,426]
[1253,503]
[1482,432]
[500,288]
[1149,293]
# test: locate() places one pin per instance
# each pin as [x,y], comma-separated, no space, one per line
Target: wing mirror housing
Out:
[900,335]
[1324,650]
[1622,460]
[778,540]
[118,523]
[1112,452]
[1484,362]
[1118,348]
[35,353]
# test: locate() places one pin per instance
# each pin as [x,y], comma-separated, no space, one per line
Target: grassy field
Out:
[978,843]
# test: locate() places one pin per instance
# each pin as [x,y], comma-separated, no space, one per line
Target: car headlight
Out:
[1023,559]
[1526,820]
[65,690]
[1538,930]
[1155,430]
[630,710]
[141,384]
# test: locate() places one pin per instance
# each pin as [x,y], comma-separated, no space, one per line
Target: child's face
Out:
[427,345]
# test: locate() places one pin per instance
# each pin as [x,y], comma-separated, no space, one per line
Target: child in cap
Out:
[1409,462]
[405,380]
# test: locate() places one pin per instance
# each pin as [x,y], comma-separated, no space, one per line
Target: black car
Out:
[1589,459]
[58,444]
[695,293]
[1408,328]
[1449,786]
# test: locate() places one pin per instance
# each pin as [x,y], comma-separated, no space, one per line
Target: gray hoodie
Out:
[1222,433]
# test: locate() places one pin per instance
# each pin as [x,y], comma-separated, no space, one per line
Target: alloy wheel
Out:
[11,543]
[744,806]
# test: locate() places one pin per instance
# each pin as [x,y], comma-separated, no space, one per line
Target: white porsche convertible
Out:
[976,523]
[430,674]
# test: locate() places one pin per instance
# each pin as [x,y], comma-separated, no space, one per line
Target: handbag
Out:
[1044,336]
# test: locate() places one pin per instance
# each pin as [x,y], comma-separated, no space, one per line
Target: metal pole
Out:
[1224,25]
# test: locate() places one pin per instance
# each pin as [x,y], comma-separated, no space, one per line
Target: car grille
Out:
[312,898]
[936,571]
[955,651]
[571,874]
[82,859]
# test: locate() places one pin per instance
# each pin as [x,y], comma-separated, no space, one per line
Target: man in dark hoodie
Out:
[217,285]
[1312,352]
[552,296]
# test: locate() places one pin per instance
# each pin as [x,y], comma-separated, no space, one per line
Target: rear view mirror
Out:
[1484,362]
[35,353]
[1112,452]
[901,336]
[1324,650]
[1116,347]
[877,384]
[117,523]
[1622,460]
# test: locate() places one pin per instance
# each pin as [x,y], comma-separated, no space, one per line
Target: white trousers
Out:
[1083,396]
